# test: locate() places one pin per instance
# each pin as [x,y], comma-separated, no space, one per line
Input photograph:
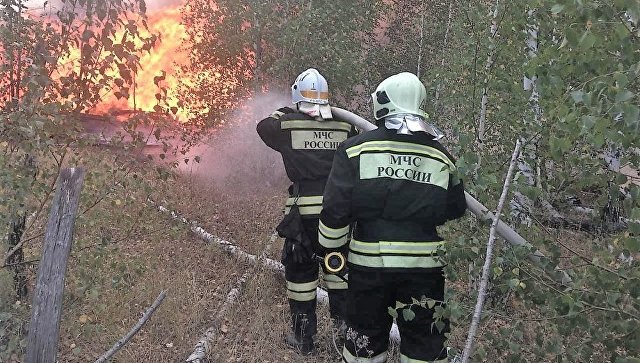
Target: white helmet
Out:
[400,93]
[400,100]
[311,93]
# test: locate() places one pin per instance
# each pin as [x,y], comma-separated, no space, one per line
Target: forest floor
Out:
[116,272]
[126,252]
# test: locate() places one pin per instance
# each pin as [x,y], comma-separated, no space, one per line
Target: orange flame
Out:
[166,56]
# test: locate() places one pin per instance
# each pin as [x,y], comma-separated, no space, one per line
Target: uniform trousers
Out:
[302,281]
[371,293]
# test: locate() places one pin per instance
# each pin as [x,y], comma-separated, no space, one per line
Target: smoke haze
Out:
[152,5]
[235,159]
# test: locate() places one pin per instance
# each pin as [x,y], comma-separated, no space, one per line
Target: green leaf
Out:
[632,244]
[392,312]
[612,298]
[588,122]
[624,95]
[400,305]
[408,314]
[557,8]
[513,283]
[587,40]
[497,271]
[577,96]
[431,303]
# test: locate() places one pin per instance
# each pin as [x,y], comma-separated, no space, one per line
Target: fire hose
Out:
[482,212]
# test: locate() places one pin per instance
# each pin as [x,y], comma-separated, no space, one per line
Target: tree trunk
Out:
[17,258]
[42,341]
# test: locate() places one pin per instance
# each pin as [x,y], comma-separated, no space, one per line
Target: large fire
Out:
[166,56]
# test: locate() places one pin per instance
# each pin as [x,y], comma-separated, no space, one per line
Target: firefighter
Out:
[396,184]
[307,139]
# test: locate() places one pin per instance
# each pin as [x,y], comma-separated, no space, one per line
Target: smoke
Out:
[235,159]
[152,5]
[155,5]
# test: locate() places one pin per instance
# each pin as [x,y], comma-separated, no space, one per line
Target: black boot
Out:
[302,346]
[304,328]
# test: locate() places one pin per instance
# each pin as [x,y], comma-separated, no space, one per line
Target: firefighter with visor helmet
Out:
[395,184]
[307,137]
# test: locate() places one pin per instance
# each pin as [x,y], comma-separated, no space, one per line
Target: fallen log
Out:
[235,251]
[203,346]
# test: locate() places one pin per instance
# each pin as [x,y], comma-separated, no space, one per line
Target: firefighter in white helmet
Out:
[396,184]
[307,138]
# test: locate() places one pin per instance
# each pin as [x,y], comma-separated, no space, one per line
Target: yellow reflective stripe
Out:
[364,247]
[398,146]
[337,285]
[301,296]
[306,210]
[304,286]
[350,358]
[422,248]
[324,95]
[334,282]
[405,359]
[381,247]
[396,261]
[312,124]
[331,242]
[332,237]
[316,199]
[333,232]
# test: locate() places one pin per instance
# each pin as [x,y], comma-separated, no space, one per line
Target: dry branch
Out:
[275,266]
[203,347]
[484,281]
[136,328]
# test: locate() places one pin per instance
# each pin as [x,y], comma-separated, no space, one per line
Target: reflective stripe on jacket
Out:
[397,189]
[307,147]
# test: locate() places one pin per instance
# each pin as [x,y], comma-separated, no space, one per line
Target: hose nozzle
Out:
[334,262]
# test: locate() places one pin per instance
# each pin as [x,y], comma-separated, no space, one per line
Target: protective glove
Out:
[297,245]
[299,250]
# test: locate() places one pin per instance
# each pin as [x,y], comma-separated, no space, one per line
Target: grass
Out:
[125,252]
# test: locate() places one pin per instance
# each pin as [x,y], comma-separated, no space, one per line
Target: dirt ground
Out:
[197,276]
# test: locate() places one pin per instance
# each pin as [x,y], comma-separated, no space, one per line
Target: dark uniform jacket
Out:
[307,147]
[397,189]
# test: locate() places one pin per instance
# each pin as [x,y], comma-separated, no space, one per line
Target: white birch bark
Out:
[203,346]
[235,251]
[521,206]
[421,42]
[445,43]
[484,281]
[487,68]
